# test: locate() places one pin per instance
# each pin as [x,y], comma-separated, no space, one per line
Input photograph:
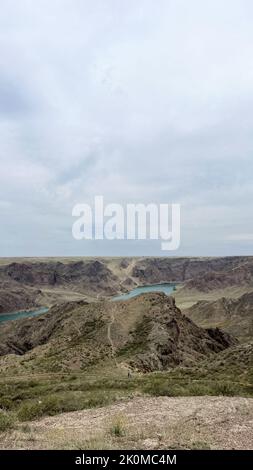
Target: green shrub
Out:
[6,403]
[225,388]
[200,445]
[199,389]
[164,388]
[6,421]
[50,405]
[32,410]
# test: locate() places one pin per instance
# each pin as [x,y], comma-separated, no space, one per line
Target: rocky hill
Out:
[236,358]
[13,298]
[152,270]
[83,275]
[146,333]
[233,315]
[241,275]
[25,285]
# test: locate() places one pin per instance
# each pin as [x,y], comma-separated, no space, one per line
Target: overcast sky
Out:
[140,101]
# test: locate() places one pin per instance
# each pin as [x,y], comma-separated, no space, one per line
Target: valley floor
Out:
[143,423]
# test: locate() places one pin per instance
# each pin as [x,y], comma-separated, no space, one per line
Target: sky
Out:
[139,101]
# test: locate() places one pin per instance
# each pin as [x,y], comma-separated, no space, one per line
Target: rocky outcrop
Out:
[152,270]
[241,275]
[168,338]
[13,299]
[84,276]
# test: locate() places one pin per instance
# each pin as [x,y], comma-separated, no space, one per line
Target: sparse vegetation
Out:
[118,426]
[50,405]
[199,445]
[32,399]
[6,421]
[26,428]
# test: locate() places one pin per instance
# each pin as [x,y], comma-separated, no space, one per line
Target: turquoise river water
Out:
[22,314]
[167,288]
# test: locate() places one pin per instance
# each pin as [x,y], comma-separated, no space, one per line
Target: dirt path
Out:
[112,319]
[145,423]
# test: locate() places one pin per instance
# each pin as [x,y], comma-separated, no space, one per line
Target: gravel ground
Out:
[144,423]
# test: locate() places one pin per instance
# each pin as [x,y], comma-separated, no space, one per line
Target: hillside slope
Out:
[25,285]
[148,333]
[233,315]
[13,298]
[241,275]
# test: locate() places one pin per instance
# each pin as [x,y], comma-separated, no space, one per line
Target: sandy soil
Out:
[144,423]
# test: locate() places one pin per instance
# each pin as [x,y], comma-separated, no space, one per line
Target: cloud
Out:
[245,237]
[135,101]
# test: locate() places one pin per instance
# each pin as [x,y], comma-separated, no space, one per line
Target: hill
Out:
[146,333]
[154,270]
[13,298]
[91,275]
[233,315]
[26,285]
[241,275]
